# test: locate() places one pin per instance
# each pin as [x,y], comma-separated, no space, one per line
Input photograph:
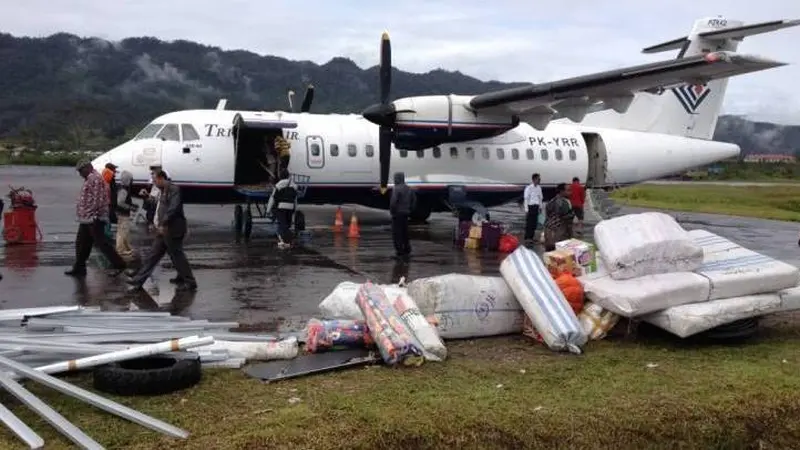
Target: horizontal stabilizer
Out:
[736,33]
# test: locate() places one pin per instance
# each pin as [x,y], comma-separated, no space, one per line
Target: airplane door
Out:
[315,152]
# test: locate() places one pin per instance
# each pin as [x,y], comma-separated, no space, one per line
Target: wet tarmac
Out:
[255,283]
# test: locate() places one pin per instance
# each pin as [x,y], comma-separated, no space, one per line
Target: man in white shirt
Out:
[532,202]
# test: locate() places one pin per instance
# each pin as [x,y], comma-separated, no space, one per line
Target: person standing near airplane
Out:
[558,218]
[124,207]
[171,228]
[92,213]
[403,201]
[532,203]
[577,198]
[283,202]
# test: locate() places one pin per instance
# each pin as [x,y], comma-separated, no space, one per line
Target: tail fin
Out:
[689,110]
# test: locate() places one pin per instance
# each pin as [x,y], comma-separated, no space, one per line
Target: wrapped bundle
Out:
[328,335]
[434,349]
[397,344]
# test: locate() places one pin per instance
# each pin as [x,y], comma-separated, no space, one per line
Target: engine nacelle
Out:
[427,121]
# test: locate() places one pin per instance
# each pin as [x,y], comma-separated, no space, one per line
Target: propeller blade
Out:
[386,67]
[307,99]
[385,155]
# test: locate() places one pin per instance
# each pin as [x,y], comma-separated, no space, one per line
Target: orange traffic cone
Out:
[354,230]
[338,222]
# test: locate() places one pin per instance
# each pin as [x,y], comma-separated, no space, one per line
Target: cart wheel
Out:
[238,220]
[248,223]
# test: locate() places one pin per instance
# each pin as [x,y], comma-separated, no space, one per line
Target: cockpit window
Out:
[170,133]
[189,133]
[149,131]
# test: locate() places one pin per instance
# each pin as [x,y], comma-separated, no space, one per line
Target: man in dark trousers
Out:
[92,213]
[403,201]
[282,203]
[532,202]
[170,229]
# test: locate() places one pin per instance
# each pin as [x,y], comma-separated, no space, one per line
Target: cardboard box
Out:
[584,255]
[476,232]
[471,242]
[559,261]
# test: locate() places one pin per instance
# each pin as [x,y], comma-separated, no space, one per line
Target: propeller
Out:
[383,113]
[307,98]
[290,96]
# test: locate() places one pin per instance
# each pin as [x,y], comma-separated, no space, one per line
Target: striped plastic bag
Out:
[543,301]
[396,342]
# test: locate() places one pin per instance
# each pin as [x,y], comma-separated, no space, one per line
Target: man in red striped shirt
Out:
[577,197]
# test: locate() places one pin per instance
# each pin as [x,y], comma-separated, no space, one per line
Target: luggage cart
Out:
[255,208]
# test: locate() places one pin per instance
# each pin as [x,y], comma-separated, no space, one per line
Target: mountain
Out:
[67,92]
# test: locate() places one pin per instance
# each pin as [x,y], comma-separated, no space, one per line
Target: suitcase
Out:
[490,235]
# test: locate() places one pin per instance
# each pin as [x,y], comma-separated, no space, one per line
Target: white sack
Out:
[255,351]
[596,321]
[650,243]
[735,271]
[467,306]
[687,320]
[642,295]
[543,301]
[341,303]
[434,349]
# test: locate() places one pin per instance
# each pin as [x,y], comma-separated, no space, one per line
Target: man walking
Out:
[577,198]
[92,214]
[403,201]
[171,229]
[283,203]
[558,218]
[125,207]
[532,202]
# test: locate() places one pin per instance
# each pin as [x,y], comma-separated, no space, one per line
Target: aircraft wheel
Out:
[248,223]
[238,220]
[420,214]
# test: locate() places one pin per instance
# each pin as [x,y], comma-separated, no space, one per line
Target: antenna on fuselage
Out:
[222,103]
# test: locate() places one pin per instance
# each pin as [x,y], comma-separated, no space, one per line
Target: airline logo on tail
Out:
[691,96]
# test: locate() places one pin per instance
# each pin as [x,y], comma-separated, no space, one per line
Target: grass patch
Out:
[766,202]
[491,393]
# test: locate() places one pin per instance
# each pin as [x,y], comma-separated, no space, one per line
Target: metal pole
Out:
[94,399]
[19,428]
[49,414]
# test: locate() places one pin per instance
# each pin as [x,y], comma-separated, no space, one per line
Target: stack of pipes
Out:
[37,342]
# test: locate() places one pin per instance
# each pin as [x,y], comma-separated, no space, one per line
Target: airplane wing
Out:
[574,97]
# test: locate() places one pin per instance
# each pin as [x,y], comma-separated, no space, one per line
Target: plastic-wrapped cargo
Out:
[596,321]
[396,342]
[337,334]
[650,243]
[425,332]
[688,320]
[256,351]
[341,302]
[542,301]
[467,306]
[734,271]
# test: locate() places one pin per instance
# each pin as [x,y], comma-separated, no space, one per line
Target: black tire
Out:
[248,223]
[238,220]
[155,375]
[420,214]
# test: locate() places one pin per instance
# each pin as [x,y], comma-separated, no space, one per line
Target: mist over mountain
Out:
[68,92]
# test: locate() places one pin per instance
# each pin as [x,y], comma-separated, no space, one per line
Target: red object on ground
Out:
[19,223]
[508,243]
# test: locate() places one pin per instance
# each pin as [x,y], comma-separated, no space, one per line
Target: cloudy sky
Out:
[507,40]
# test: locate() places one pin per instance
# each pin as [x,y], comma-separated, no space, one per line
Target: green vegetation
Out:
[766,202]
[42,159]
[741,171]
[491,393]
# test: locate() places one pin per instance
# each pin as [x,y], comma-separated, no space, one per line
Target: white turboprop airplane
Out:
[629,125]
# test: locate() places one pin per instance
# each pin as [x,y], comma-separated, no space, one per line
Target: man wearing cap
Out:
[92,214]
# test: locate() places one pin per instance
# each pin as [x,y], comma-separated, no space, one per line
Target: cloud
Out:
[507,40]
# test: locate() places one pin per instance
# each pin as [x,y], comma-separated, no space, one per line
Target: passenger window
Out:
[544,154]
[453,152]
[369,151]
[334,150]
[485,152]
[514,153]
[315,150]
[170,133]
[500,153]
[529,153]
[403,153]
[470,153]
[572,155]
[559,155]
[437,152]
[351,150]
[189,133]
[420,153]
